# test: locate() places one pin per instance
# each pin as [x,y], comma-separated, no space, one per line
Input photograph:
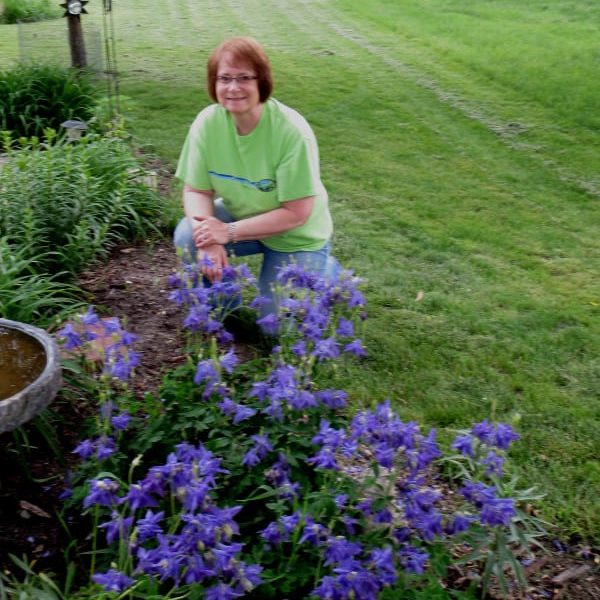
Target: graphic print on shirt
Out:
[264,185]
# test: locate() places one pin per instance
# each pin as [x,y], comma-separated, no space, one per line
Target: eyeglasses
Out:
[241,79]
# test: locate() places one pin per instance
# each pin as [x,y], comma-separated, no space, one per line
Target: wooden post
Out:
[76,43]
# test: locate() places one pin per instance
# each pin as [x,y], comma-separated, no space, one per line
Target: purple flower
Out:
[205,371]
[290,522]
[221,591]
[412,559]
[105,447]
[149,526]
[327,348]
[340,500]
[459,524]
[494,463]
[269,324]
[121,421]
[102,492]
[121,367]
[332,398]
[71,337]
[355,348]
[464,444]
[272,534]
[228,361]
[261,448]
[85,449]
[478,493]
[117,528]
[138,497]
[345,328]
[313,533]
[90,317]
[324,459]
[383,561]
[113,580]
[242,413]
[339,549]
[497,511]
[484,431]
[504,436]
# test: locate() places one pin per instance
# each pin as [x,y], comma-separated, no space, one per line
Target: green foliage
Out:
[26,294]
[28,11]
[40,96]
[25,583]
[65,204]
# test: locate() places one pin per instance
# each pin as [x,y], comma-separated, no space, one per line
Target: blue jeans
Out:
[319,262]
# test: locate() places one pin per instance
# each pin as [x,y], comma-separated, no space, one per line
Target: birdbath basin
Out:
[30,373]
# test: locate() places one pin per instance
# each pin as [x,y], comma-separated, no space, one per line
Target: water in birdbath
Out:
[22,360]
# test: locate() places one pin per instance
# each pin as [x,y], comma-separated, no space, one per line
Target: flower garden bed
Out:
[133,283]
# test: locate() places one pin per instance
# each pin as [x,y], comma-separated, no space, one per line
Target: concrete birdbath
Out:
[30,373]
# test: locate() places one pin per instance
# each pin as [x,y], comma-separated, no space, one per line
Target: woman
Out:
[250,166]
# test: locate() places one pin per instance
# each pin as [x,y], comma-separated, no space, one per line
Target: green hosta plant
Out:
[28,10]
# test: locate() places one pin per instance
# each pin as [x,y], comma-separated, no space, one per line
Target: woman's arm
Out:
[290,215]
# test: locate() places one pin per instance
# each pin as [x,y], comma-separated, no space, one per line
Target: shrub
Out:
[29,10]
[70,202]
[36,97]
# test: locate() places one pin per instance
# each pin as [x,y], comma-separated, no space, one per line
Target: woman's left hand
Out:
[211,231]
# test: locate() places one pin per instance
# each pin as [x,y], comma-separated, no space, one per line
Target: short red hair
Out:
[244,49]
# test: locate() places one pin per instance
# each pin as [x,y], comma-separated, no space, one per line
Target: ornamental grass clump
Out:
[252,479]
[65,204]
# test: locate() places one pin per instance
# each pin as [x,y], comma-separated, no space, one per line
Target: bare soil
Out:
[132,285]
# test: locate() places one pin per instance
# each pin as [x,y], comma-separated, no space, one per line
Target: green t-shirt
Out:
[255,173]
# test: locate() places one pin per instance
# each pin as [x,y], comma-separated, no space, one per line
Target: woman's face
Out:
[237,97]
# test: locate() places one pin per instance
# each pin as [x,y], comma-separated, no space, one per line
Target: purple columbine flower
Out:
[90,317]
[497,511]
[117,528]
[113,580]
[71,337]
[103,492]
[149,526]
[272,534]
[345,328]
[242,413]
[504,435]
[484,431]
[138,497]
[339,549]
[464,444]
[413,559]
[85,449]
[121,421]
[383,561]
[229,361]
[269,324]
[105,447]
[355,347]
[494,463]
[221,591]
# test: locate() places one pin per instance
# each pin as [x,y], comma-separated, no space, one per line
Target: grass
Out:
[459,144]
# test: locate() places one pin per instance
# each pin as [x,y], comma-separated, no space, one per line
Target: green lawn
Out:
[460,147]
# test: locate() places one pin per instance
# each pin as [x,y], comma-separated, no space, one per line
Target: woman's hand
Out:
[212,259]
[210,231]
